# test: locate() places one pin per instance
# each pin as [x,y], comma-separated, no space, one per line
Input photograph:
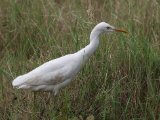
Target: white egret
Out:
[57,73]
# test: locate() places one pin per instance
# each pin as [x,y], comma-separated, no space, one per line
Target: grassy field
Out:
[121,81]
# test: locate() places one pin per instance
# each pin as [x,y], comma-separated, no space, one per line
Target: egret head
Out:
[105,27]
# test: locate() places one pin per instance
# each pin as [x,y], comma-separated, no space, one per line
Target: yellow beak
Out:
[120,30]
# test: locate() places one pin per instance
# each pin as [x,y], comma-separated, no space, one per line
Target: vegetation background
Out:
[121,81]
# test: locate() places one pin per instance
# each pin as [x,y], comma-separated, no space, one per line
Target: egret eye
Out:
[108,27]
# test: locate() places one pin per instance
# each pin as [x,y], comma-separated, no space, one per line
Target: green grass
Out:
[120,81]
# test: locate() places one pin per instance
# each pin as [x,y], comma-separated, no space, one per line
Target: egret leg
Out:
[46,103]
[34,108]
[55,91]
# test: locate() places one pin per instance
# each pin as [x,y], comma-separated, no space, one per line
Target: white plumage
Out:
[57,73]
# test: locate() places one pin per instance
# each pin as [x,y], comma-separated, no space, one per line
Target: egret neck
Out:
[94,42]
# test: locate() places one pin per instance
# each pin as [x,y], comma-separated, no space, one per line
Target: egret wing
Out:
[51,78]
[48,71]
